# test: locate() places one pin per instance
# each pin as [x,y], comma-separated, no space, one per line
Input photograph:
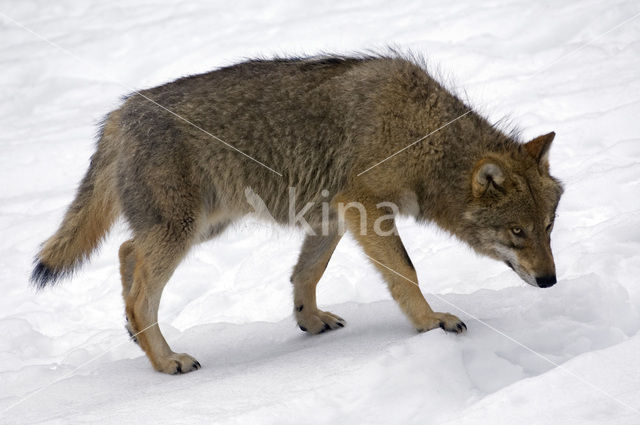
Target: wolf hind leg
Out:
[156,254]
[314,257]
[127,266]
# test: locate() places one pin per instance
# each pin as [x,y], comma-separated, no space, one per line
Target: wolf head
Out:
[512,208]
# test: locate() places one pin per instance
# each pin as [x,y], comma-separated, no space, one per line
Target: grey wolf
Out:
[313,124]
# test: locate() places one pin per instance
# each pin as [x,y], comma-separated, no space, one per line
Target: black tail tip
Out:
[43,275]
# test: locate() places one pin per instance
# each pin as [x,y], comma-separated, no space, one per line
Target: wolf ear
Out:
[487,175]
[538,149]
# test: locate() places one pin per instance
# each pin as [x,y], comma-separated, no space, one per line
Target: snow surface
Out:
[564,355]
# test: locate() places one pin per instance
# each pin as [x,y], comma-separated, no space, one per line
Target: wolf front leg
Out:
[314,257]
[374,229]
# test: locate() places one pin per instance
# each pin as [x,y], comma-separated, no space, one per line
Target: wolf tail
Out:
[87,220]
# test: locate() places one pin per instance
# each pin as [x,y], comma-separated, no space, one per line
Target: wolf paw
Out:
[318,321]
[445,321]
[177,363]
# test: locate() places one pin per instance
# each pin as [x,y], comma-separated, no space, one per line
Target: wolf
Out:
[353,135]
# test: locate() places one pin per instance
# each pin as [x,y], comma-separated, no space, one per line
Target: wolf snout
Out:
[546,281]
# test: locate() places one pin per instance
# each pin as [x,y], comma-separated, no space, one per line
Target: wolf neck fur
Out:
[475,138]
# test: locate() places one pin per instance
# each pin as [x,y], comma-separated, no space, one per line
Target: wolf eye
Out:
[517,231]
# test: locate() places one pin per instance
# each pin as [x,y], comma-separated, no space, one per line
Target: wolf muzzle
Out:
[546,281]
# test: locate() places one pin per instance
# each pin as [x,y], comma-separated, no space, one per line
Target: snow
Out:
[568,354]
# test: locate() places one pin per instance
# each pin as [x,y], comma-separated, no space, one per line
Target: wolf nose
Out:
[546,281]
